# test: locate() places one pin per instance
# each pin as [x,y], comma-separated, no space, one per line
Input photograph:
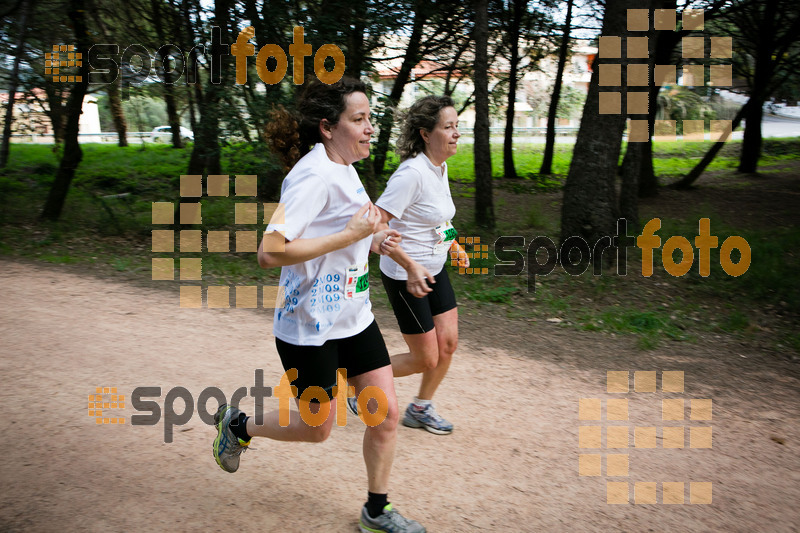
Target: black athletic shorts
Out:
[317,365]
[415,315]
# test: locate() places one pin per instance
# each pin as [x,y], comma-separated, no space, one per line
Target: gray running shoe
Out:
[352,405]
[227,446]
[390,521]
[427,418]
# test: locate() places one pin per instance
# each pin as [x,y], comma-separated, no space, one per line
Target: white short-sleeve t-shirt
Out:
[326,297]
[418,196]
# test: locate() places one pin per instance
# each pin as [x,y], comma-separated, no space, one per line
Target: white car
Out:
[163,134]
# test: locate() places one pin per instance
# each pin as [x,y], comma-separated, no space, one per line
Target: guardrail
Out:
[525,132]
[103,137]
[144,136]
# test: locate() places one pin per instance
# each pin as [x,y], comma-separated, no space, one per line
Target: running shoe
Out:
[389,521]
[426,417]
[352,405]
[227,446]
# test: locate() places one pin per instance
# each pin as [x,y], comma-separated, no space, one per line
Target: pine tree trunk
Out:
[55,110]
[192,115]
[386,121]
[117,113]
[771,17]
[628,197]
[12,83]
[72,149]
[687,181]
[484,206]
[552,111]
[205,158]
[509,170]
[355,59]
[648,180]
[168,83]
[172,116]
[665,43]
[590,207]
[637,164]
[751,142]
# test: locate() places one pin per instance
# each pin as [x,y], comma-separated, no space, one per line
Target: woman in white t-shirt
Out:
[322,240]
[417,203]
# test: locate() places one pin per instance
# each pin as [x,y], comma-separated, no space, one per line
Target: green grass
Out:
[98,230]
[649,326]
[774,262]
[61,259]
[671,159]
[527,161]
[500,295]
[535,218]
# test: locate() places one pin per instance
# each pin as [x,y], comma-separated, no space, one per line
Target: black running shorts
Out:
[317,365]
[415,315]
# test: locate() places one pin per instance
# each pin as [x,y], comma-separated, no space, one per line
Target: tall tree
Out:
[638,159]
[25,9]
[688,180]
[45,26]
[550,136]
[413,54]
[272,25]
[160,12]
[638,175]
[589,208]
[205,158]
[72,149]
[767,32]
[484,204]
[518,7]
[112,79]
[436,32]
[766,52]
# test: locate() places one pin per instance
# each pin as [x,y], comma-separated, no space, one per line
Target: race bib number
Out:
[357,281]
[447,234]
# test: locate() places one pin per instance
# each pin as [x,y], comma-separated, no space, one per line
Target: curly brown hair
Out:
[422,115]
[291,135]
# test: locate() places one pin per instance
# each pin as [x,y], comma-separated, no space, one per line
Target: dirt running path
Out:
[511,464]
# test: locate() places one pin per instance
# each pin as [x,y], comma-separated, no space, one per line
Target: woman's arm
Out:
[276,251]
[417,274]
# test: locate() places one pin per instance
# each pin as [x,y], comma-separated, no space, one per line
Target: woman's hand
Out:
[360,226]
[462,258]
[385,241]
[276,251]
[418,279]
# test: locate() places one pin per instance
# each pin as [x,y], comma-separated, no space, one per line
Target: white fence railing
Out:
[104,137]
[144,136]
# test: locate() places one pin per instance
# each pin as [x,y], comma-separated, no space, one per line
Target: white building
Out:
[533,91]
[32,124]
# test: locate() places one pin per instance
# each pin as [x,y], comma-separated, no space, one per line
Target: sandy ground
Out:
[511,464]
